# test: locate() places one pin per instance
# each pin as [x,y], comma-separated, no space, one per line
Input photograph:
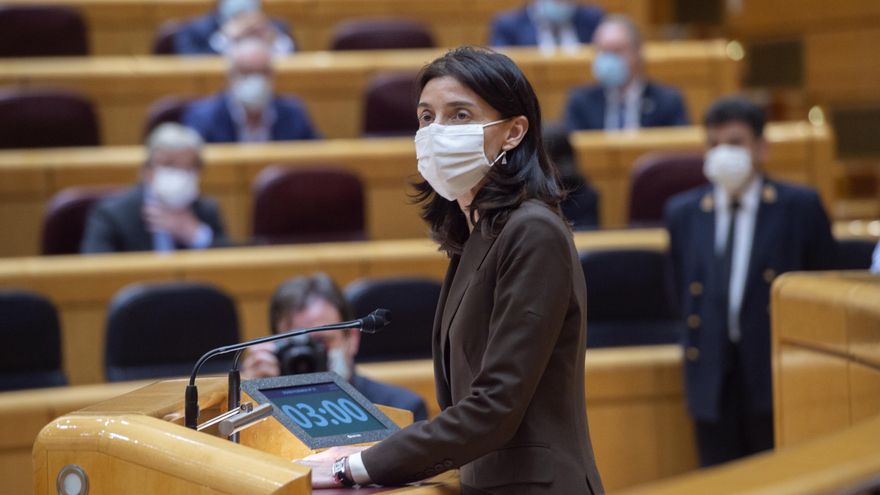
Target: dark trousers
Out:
[738,432]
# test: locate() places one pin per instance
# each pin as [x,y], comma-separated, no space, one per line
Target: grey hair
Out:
[175,137]
[627,23]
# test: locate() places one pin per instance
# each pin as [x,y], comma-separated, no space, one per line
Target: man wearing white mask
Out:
[622,97]
[212,33]
[728,242]
[249,110]
[307,302]
[547,24]
[165,211]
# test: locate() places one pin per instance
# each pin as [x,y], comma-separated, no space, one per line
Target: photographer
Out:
[305,302]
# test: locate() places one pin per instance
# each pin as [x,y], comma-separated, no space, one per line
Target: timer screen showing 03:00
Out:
[322,409]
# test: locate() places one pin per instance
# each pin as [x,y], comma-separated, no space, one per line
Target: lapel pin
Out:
[768,194]
[707,204]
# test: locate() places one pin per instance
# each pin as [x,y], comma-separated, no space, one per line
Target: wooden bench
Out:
[28,179]
[122,27]
[332,84]
[826,383]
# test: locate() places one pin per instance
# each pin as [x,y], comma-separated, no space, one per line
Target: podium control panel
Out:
[321,409]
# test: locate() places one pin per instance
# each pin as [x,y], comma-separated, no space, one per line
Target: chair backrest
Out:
[161,330]
[42,31]
[30,356]
[33,118]
[65,219]
[855,254]
[165,109]
[412,301]
[163,41]
[629,298]
[381,34]
[658,176]
[388,106]
[321,203]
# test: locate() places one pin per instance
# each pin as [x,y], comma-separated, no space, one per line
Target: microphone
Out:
[371,323]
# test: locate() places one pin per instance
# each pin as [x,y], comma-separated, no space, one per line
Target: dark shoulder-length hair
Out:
[528,173]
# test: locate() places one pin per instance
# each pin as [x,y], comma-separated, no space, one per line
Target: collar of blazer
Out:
[475,250]
[768,196]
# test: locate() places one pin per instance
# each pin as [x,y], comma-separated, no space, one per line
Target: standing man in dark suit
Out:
[728,241]
[210,34]
[165,211]
[547,24]
[249,110]
[306,302]
[623,97]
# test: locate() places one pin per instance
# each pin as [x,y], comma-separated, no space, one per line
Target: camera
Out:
[301,354]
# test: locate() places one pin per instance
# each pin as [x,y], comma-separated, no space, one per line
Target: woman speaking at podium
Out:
[509,336]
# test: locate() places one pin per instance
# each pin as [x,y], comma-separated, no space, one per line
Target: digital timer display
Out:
[322,409]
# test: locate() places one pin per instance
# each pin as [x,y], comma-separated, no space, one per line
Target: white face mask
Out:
[254,91]
[728,167]
[337,362]
[175,188]
[452,157]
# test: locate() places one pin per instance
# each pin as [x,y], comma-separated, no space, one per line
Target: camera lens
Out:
[301,355]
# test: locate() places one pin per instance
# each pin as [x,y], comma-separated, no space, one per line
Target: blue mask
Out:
[610,70]
[554,11]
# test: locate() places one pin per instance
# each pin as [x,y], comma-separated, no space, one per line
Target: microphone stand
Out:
[368,324]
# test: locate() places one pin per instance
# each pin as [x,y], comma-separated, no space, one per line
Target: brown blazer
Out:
[509,347]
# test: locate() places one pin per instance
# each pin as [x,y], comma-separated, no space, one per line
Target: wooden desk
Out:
[332,84]
[638,424]
[826,383]
[82,287]
[121,27]
[28,179]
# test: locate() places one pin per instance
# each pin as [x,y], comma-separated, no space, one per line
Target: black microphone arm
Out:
[371,323]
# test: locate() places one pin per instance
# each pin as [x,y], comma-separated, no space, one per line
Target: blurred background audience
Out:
[622,98]
[165,211]
[249,110]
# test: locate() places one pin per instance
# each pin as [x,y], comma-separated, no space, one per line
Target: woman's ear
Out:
[519,126]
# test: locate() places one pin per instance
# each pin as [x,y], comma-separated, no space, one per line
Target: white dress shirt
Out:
[631,102]
[551,38]
[246,133]
[746,218]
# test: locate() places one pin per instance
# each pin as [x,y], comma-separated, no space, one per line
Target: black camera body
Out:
[301,354]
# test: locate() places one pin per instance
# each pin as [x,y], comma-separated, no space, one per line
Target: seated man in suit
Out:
[581,205]
[212,33]
[306,302]
[165,211]
[728,241]
[249,110]
[623,98]
[547,24]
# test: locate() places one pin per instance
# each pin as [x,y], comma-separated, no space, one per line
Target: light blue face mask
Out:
[229,9]
[554,11]
[610,70]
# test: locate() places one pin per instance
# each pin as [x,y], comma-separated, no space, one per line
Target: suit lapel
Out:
[767,223]
[706,232]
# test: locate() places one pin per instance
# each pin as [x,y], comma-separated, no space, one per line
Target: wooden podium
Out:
[136,443]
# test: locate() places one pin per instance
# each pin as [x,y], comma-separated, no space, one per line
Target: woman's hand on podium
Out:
[322,464]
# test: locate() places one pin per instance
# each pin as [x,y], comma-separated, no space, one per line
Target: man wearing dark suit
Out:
[623,98]
[728,241]
[547,24]
[306,302]
[204,35]
[249,111]
[165,211]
